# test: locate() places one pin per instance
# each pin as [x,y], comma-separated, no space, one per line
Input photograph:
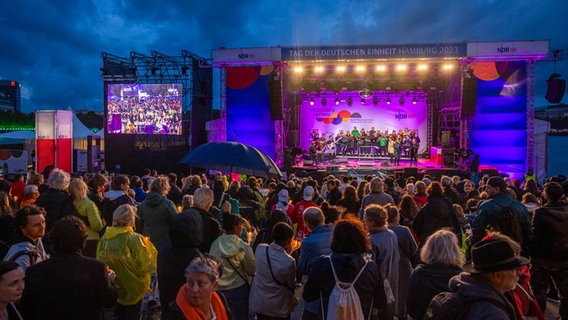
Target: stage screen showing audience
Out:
[144,109]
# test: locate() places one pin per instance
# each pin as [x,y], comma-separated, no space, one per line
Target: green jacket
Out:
[232,250]
[133,258]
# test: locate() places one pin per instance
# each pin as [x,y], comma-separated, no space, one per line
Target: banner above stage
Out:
[429,50]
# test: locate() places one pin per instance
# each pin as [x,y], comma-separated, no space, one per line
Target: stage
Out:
[360,167]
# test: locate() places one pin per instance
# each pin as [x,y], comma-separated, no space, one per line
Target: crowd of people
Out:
[206,247]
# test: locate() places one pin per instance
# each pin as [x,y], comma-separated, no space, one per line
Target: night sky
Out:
[53,47]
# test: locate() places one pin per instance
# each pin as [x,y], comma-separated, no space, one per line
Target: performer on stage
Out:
[373,141]
[397,151]
[351,143]
[383,142]
[343,141]
[363,142]
[414,152]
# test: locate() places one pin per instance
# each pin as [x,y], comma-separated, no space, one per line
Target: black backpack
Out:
[449,306]
[508,222]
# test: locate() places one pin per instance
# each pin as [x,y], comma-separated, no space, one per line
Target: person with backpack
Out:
[504,214]
[549,247]
[348,274]
[29,250]
[479,291]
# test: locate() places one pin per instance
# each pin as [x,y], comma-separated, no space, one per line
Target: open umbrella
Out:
[232,157]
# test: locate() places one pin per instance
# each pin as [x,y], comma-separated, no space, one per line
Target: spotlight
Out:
[414,100]
[336,101]
[362,101]
[388,100]
[319,69]
[312,102]
[298,69]
[448,67]
[422,67]
[381,68]
[401,100]
[401,67]
[340,69]
[360,68]
[375,100]
[349,101]
[323,101]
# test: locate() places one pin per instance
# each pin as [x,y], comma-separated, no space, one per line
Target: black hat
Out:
[493,255]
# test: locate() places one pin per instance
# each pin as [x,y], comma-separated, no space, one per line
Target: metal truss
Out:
[530,114]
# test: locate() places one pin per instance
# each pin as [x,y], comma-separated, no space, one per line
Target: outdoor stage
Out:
[360,167]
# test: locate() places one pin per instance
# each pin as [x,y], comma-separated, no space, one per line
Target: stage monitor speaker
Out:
[469,92]
[308,162]
[449,157]
[446,138]
[275,93]
[555,90]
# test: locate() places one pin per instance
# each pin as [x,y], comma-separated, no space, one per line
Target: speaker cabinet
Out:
[469,93]
[275,93]
[555,90]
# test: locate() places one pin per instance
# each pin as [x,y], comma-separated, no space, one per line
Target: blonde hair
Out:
[442,248]
[124,216]
[78,189]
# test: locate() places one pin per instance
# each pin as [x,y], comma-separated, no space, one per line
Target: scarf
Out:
[194,313]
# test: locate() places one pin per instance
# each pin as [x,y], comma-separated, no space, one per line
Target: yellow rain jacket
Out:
[133,258]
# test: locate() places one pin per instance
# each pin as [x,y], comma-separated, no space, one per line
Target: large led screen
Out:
[144,109]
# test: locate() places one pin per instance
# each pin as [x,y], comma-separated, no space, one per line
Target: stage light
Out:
[401,67]
[318,69]
[298,69]
[312,102]
[414,100]
[360,68]
[422,67]
[381,68]
[375,100]
[340,68]
[388,100]
[323,101]
[362,101]
[401,100]
[349,101]
[448,67]
[336,101]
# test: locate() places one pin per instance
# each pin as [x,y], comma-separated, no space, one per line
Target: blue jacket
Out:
[314,246]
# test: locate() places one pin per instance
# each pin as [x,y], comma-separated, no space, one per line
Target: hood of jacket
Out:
[186,230]
[154,199]
[112,232]
[113,194]
[229,246]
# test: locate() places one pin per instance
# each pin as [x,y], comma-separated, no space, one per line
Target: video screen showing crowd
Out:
[373,144]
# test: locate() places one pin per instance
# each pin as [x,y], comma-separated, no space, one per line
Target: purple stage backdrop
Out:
[330,118]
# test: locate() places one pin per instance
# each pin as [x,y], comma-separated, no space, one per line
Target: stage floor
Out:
[355,166]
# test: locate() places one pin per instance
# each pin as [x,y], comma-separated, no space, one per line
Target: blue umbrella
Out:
[232,157]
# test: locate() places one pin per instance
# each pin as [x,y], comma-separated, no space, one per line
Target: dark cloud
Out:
[53,47]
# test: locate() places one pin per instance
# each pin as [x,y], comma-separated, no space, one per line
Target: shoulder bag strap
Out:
[270,267]
[238,273]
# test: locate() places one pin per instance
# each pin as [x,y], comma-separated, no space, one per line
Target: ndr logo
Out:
[506,50]
[400,116]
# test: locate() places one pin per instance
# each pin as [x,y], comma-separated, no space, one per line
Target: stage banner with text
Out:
[326,119]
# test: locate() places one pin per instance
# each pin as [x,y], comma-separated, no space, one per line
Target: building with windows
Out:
[10,99]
